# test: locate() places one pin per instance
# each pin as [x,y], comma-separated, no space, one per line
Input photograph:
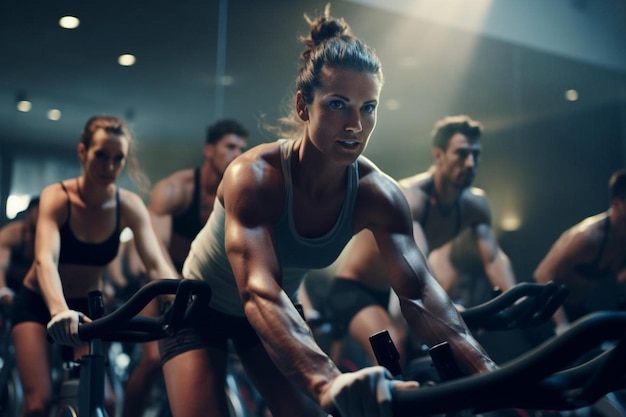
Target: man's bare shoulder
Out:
[415,182]
[182,176]
[589,230]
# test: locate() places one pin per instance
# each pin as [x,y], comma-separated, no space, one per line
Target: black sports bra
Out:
[76,252]
[591,270]
[188,224]
[430,186]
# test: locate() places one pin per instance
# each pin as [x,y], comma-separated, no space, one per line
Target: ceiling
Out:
[170,95]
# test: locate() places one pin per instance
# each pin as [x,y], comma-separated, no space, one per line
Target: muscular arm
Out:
[47,248]
[559,263]
[250,249]
[167,198]
[424,303]
[146,241]
[496,264]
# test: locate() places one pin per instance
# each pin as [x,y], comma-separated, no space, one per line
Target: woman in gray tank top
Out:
[288,206]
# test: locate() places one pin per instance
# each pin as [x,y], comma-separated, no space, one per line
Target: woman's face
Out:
[342,115]
[105,158]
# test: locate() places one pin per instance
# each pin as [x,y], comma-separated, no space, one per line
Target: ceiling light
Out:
[24,105]
[126,60]
[571,95]
[69,22]
[54,114]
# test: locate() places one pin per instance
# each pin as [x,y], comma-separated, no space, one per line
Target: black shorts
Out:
[345,298]
[209,329]
[29,306]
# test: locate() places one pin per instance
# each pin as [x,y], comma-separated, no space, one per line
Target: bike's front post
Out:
[92,368]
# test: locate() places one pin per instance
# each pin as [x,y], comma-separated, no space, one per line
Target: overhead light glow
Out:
[510,223]
[54,114]
[571,95]
[126,60]
[24,106]
[69,22]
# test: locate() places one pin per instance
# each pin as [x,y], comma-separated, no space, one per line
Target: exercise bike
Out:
[84,397]
[548,377]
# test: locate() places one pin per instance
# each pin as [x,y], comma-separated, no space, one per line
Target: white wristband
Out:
[6,292]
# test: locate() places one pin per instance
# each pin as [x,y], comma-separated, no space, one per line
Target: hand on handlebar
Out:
[366,393]
[63,327]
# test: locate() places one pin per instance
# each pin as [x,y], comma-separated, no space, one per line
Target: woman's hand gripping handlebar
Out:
[545,378]
[125,324]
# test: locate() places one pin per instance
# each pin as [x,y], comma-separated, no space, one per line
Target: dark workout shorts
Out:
[345,298]
[209,329]
[29,306]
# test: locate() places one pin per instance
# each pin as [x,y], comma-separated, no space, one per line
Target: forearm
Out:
[49,283]
[290,344]
[435,319]
[500,272]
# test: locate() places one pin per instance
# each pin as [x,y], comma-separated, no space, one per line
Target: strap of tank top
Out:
[69,205]
[118,210]
[605,239]
[286,149]
[429,191]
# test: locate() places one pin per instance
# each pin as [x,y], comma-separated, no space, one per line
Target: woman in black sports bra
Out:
[77,235]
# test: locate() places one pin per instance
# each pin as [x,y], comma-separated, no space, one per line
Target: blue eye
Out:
[369,108]
[337,104]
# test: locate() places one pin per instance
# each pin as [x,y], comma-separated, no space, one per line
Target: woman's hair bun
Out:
[325,27]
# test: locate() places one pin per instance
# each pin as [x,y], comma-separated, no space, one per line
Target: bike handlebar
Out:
[124,324]
[543,378]
[523,305]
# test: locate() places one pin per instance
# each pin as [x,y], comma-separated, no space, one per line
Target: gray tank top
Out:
[207,258]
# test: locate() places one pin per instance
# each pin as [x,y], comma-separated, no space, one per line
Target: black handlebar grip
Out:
[95,301]
[386,352]
[444,362]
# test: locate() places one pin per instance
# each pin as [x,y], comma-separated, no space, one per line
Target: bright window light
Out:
[16,204]
[126,235]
